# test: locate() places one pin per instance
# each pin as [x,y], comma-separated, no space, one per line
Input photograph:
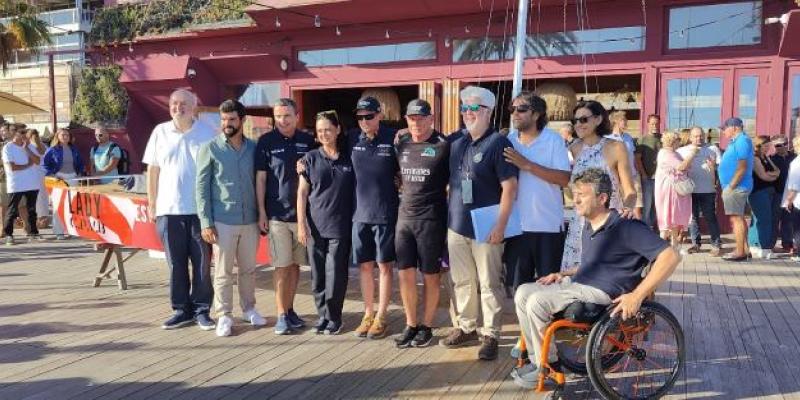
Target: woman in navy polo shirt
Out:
[324,219]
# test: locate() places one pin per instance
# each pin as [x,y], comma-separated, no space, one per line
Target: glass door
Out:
[794,103]
[695,99]
[747,97]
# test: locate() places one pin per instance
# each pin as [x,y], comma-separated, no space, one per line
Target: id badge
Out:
[466,190]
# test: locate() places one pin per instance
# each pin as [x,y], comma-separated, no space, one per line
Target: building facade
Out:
[694,62]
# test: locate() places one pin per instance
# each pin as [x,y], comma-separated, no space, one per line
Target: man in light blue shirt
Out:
[105,156]
[736,179]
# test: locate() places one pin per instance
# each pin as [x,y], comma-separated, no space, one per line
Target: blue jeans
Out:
[760,232]
[180,235]
[705,203]
[649,201]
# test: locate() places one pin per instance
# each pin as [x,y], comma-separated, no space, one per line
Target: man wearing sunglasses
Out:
[276,158]
[479,177]
[782,220]
[375,166]
[105,155]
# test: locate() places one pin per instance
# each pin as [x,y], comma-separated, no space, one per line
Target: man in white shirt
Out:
[171,155]
[703,172]
[21,165]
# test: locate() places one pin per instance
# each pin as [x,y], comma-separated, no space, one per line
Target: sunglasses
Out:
[520,109]
[471,107]
[581,120]
[365,117]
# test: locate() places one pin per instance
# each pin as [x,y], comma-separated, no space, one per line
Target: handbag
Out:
[682,184]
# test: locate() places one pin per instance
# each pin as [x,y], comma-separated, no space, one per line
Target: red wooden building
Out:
[694,62]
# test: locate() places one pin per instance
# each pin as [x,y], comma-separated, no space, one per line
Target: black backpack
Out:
[124,163]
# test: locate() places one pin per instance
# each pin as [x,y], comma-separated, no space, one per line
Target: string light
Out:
[277,22]
[338,32]
[447,41]
[387,34]
[466,29]
[430,33]
[317,21]
[130,47]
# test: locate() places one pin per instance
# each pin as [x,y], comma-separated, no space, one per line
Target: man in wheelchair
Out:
[615,253]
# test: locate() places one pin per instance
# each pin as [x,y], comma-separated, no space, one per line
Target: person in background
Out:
[567,132]
[375,165]
[672,208]
[42,200]
[5,137]
[791,201]
[782,222]
[171,155]
[703,172]
[619,124]
[63,161]
[105,155]
[762,198]
[226,205]
[325,200]
[684,137]
[646,162]
[479,177]
[23,180]
[736,178]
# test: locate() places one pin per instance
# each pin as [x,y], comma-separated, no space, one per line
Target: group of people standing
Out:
[27,160]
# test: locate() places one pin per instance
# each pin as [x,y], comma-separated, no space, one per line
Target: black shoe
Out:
[178,320]
[320,326]
[333,328]
[205,322]
[404,340]
[424,337]
[488,349]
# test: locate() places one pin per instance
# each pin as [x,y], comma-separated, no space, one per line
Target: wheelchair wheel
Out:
[651,354]
[571,350]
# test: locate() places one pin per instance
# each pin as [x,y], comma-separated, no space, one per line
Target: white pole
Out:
[519,45]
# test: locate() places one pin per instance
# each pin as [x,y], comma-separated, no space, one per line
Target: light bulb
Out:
[317,21]
[338,32]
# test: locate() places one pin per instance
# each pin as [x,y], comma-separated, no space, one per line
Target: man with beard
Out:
[541,156]
[479,177]
[226,204]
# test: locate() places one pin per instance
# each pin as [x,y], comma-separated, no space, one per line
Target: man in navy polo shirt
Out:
[276,158]
[615,252]
[375,165]
[479,177]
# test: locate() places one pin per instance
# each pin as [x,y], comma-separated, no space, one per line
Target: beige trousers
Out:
[476,269]
[536,304]
[236,245]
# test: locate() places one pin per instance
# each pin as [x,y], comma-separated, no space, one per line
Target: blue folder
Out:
[484,219]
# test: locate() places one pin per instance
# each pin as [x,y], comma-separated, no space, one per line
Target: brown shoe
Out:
[488,351]
[716,251]
[378,329]
[363,329]
[459,338]
[693,249]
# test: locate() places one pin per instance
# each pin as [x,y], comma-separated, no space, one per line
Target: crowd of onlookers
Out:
[28,158]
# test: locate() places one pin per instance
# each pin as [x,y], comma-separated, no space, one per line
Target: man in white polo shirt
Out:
[541,156]
[20,163]
[171,155]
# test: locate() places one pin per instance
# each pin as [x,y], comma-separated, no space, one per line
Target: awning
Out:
[10,104]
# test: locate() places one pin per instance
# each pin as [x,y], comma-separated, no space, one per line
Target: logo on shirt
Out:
[359,148]
[347,169]
[429,152]
[276,151]
[301,145]
[477,157]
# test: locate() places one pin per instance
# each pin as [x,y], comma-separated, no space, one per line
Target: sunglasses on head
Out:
[332,113]
[471,107]
[581,120]
[523,108]
[365,117]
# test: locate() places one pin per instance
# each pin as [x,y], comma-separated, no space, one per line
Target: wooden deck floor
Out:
[62,339]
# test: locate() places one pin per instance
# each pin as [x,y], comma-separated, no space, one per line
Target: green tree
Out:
[20,29]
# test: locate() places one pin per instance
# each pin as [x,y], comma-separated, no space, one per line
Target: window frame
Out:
[693,50]
[300,65]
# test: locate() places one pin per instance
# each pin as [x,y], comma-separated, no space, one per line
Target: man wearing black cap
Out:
[422,225]
[736,178]
[375,165]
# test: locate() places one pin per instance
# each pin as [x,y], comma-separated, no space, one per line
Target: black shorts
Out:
[373,242]
[532,255]
[420,244]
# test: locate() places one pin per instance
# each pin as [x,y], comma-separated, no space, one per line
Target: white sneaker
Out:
[767,254]
[224,325]
[254,318]
[756,252]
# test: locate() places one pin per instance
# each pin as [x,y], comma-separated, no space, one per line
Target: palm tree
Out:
[20,29]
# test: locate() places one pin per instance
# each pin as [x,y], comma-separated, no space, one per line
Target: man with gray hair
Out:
[615,252]
[479,177]
[171,155]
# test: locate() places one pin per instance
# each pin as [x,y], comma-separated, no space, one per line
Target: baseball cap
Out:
[418,107]
[732,122]
[368,103]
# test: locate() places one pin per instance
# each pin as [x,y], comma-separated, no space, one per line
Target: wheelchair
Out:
[639,358]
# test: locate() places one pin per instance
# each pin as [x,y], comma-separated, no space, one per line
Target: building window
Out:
[748,98]
[592,41]
[413,51]
[694,102]
[794,110]
[731,24]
